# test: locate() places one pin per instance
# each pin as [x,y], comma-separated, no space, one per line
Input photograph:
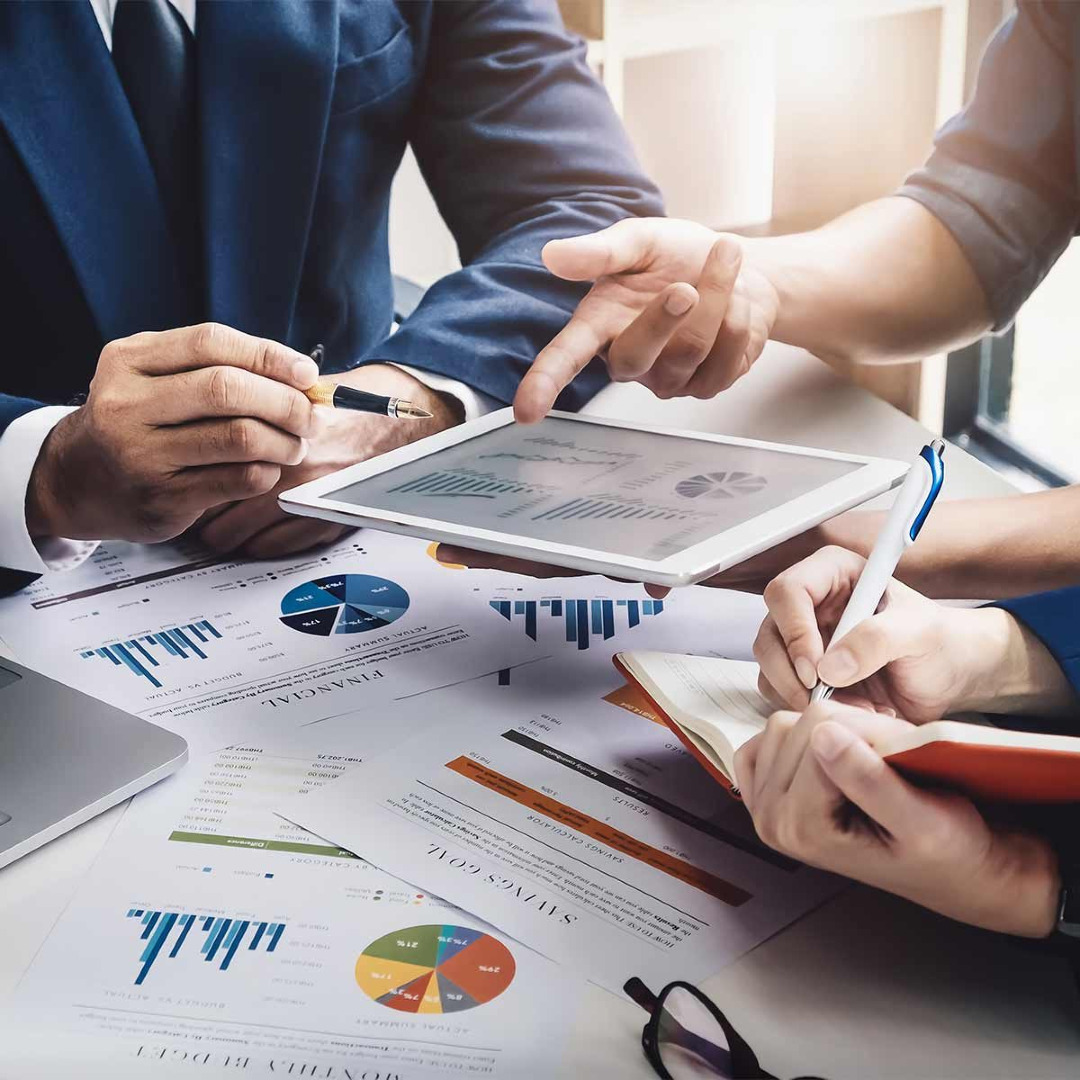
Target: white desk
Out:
[866,985]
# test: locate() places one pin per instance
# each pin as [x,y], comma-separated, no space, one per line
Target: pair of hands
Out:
[200,428]
[814,781]
[819,790]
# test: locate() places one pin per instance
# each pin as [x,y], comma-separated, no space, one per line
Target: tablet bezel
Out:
[692,564]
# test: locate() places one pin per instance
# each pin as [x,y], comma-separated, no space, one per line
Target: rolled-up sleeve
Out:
[1002,177]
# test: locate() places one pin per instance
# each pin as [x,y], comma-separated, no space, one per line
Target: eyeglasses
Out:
[689,1038]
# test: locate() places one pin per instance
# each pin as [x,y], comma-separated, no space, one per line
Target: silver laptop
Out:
[65,757]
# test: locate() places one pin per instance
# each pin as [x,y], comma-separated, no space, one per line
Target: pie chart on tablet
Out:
[344,604]
[435,969]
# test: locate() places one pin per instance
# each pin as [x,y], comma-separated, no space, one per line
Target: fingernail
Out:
[836,666]
[829,741]
[679,303]
[886,710]
[305,372]
[805,670]
[303,449]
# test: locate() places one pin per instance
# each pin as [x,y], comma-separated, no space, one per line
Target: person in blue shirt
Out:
[195,197]
[914,661]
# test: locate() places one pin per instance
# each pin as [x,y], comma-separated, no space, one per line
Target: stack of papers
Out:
[422,811]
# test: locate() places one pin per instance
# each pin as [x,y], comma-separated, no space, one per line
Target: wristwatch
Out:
[1068,920]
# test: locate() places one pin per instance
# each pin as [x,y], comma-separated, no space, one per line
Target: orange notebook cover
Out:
[989,763]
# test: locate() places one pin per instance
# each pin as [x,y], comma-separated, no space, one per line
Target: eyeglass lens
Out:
[690,1040]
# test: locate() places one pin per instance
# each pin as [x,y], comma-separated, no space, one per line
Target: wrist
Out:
[1009,668]
[1023,886]
[47,510]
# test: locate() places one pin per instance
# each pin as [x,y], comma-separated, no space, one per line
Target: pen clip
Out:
[932,455]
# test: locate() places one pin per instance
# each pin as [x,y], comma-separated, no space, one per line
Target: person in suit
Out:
[951,255]
[912,662]
[196,194]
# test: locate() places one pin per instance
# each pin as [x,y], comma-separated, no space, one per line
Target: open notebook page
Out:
[715,701]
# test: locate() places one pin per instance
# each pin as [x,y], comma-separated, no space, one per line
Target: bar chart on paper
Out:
[144,655]
[216,939]
[582,620]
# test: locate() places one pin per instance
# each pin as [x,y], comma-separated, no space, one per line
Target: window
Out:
[1014,400]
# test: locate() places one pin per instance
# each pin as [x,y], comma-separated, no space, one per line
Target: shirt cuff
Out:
[20,445]
[474,402]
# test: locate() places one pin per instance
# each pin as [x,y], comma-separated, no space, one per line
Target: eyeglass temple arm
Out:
[641,995]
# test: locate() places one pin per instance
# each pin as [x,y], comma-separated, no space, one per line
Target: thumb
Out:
[621,247]
[875,643]
[864,778]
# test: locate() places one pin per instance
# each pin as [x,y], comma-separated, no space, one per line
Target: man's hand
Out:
[914,656]
[339,438]
[174,423]
[819,791]
[674,307]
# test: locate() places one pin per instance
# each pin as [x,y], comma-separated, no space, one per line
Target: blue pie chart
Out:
[345,604]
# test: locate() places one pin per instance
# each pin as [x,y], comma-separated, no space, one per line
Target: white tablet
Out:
[606,496]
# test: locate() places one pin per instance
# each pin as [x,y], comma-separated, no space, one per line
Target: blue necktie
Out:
[154,54]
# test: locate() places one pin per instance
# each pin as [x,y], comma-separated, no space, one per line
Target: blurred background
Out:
[772,116]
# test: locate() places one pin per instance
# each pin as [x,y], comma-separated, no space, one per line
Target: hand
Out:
[915,657]
[259,528]
[174,422]
[645,315]
[819,791]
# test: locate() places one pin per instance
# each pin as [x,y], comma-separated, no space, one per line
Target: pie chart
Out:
[345,604]
[720,485]
[435,969]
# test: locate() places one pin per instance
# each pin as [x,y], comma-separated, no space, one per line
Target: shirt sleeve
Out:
[1054,618]
[474,402]
[20,445]
[1002,176]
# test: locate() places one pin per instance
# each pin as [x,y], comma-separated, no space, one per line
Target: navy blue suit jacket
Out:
[304,112]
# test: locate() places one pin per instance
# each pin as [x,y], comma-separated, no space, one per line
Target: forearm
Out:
[981,549]
[885,282]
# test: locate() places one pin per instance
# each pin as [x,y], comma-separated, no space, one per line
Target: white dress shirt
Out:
[23,438]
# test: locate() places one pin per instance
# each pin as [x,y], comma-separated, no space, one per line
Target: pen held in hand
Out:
[912,505]
[338,396]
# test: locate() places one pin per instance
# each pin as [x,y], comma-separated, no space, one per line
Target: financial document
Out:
[214,648]
[566,814]
[208,941]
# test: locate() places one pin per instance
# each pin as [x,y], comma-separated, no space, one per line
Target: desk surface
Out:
[864,985]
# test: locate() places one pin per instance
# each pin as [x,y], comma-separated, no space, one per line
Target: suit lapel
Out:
[266,75]
[66,114]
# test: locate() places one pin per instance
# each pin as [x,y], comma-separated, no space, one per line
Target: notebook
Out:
[713,706]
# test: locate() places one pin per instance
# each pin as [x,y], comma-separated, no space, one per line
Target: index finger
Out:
[871,783]
[214,345]
[793,598]
[555,366]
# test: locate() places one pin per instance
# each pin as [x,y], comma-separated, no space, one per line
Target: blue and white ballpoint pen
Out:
[906,518]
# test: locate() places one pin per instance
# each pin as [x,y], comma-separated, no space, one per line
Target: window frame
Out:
[978,382]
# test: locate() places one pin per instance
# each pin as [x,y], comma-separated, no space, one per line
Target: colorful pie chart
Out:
[435,969]
[345,604]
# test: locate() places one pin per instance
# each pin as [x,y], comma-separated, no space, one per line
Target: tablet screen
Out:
[610,489]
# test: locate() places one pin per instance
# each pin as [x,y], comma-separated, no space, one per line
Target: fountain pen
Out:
[338,396]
